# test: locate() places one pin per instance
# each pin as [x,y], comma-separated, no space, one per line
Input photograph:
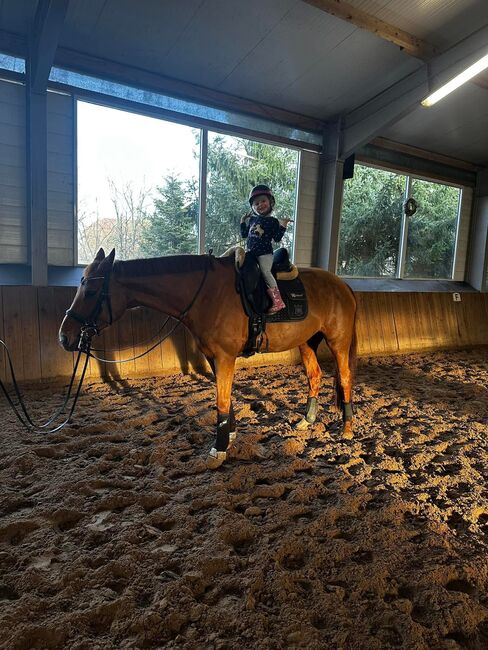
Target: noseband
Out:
[89,324]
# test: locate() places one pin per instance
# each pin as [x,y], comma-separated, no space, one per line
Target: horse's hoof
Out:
[347,433]
[303,425]
[215,458]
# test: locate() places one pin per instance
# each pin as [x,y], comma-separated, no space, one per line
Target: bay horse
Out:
[200,291]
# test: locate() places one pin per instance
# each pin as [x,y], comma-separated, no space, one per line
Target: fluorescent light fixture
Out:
[461,78]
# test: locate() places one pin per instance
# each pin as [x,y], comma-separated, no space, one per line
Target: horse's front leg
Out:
[314,375]
[223,367]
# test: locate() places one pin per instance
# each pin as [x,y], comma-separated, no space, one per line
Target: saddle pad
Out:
[295,299]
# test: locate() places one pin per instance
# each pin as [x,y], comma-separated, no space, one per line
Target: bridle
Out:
[89,326]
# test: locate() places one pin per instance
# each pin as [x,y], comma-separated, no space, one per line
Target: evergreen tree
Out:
[432,230]
[235,165]
[371,223]
[172,228]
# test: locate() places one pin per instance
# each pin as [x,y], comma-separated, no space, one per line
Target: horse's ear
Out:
[107,262]
[100,255]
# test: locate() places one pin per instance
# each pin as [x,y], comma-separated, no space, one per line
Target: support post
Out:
[203,190]
[331,183]
[48,23]
[477,264]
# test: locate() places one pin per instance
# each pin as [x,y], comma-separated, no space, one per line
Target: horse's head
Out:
[91,309]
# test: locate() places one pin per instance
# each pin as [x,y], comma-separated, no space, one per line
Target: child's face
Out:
[261,204]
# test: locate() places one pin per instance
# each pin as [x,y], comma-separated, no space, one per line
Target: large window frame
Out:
[404,227]
[204,132]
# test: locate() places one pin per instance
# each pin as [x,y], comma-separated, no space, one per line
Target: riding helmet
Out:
[259,190]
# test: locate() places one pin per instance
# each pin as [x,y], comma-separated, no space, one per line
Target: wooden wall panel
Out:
[387,323]
[145,323]
[472,318]
[53,302]
[31,333]
[13,329]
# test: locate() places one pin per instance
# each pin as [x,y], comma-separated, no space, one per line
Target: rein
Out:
[159,341]
[88,330]
[24,417]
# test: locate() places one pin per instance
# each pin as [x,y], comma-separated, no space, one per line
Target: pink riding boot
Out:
[278,304]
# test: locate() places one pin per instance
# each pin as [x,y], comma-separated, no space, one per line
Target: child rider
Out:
[261,228]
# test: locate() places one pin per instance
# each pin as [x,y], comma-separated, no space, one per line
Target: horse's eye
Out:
[90,294]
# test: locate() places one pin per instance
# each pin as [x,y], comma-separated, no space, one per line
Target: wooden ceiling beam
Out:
[410,44]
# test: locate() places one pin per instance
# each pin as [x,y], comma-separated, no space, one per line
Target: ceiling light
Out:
[462,78]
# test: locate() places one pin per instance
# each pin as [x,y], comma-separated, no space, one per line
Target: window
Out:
[139,185]
[235,165]
[378,238]
[431,233]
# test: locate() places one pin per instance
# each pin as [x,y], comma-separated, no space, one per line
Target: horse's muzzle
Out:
[65,344]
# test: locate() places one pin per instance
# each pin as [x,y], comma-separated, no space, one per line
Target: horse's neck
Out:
[170,293]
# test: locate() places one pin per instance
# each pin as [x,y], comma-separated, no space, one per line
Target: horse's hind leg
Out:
[308,352]
[224,368]
[344,380]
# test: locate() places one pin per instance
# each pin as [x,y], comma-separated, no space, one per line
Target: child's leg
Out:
[265,264]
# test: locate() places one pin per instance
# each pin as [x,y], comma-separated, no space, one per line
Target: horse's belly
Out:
[285,336]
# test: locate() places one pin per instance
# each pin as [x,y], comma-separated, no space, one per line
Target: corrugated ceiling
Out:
[283,53]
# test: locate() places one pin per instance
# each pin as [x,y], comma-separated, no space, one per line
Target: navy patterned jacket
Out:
[260,232]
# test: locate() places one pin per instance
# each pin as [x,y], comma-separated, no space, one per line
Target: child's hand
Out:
[245,217]
[285,221]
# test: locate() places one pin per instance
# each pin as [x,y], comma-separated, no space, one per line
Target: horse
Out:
[200,292]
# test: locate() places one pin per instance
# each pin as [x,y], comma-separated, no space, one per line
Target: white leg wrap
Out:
[215,458]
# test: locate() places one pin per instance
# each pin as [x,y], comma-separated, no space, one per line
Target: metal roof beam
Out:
[48,23]
[366,122]
[140,78]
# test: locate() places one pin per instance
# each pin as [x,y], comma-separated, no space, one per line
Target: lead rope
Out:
[26,419]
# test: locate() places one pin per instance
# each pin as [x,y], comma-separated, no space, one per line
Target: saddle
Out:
[255,300]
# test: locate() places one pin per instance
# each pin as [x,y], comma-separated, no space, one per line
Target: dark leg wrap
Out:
[346,411]
[223,430]
[312,408]
[232,420]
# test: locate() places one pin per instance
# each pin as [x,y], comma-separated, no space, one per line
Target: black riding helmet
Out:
[259,190]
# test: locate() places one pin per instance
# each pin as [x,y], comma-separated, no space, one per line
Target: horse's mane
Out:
[164,265]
